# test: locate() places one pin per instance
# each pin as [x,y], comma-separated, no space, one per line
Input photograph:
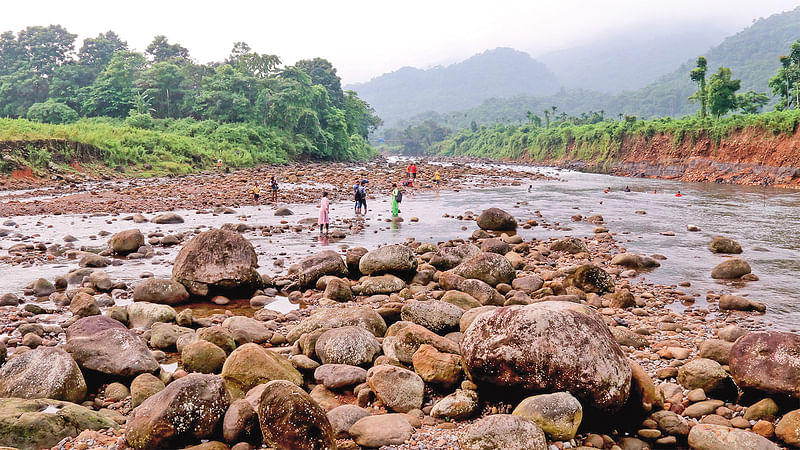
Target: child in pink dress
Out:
[323,213]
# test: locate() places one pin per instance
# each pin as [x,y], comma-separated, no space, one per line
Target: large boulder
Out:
[382,284]
[490,268]
[461,404]
[548,346]
[187,410]
[437,367]
[160,290]
[504,431]
[291,419]
[45,372]
[314,267]
[33,424]
[381,430]
[635,261]
[768,361]
[396,259]
[495,219]
[246,330]
[449,257]
[251,365]
[719,437]
[217,260]
[366,318]
[399,389]
[734,302]
[347,345]
[706,374]
[558,414]
[337,376]
[731,269]
[127,241]
[103,345]
[788,428]
[410,337]
[345,416]
[590,278]
[145,314]
[721,244]
[437,316]
[167,219]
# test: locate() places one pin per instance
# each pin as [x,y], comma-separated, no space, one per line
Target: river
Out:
[762,220]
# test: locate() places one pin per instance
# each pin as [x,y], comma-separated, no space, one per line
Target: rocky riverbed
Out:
[488,340]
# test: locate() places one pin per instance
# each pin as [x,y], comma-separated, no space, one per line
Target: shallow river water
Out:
[763,221]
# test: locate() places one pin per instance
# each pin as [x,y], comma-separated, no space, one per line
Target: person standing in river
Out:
[357,206]
[256,191]
[414,171]
[324,218]
[273,183]
[362,196]
[395,203]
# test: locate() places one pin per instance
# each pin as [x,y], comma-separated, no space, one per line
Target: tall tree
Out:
[323,73]
[113,92]
[722,92]
[47,47]
[160,50]
[97,52]
[698,75]
[751,102]
[163,82]
[786,83]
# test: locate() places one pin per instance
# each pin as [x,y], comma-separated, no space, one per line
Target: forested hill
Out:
[257,109]
[501,72]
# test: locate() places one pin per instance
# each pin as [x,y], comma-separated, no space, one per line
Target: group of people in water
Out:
[628,189]
[359,195]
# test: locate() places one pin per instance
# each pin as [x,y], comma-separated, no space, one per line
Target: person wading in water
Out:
[324,218]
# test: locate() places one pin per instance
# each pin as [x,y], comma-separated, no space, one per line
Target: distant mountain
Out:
[502,72]
[634,58]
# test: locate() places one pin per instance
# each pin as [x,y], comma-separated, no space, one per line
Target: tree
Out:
[251,63]
[52,112]
[698,75]
[163,84]
[160,50]
[323,73]
[722,92]
[96,53]
[751,102]
[114,91]
[47,47]
[786,83]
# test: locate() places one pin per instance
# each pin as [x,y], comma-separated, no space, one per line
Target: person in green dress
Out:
[395,206]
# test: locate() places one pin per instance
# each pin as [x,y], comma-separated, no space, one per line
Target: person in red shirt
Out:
[414,171]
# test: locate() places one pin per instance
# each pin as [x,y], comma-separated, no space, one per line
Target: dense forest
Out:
[752,55]
[246,109]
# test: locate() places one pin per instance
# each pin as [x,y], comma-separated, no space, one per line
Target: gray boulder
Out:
[395,259]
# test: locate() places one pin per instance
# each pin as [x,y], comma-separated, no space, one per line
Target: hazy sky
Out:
[364,38]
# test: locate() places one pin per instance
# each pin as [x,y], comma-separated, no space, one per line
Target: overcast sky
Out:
[365,38]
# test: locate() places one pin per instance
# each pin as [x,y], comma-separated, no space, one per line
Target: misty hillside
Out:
[501,72]
[633,59]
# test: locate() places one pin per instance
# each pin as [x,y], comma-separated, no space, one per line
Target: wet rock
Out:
[338,290]
[316,266]
[575,352]
[282,212]
[251,365]
[722,244]
[25,425]
[291,419]
[719,437]
[504,431]
[161,291]
[490,268]
[342,418]
[707,375]
[46,372]
[399,389]
[731,269]
[734,302]
[395,259]
[449,257]
[437,367]
[559,414]
[167,219]
[144,314]
[217,260]
[569,245]
[94,261]
[240,423]
[203,357]
[41,288]
[188,409]
[127,241]
[590,278]
[364,317]
[383,284]
[104,345]
[768,362]
[143,387]
[380,430]
[246,330]
[634,261]
[336,376]
[347,345]
[9,299]
[459,405]
[437,316]
[495,219]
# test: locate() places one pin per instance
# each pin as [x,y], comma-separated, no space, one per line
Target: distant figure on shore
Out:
[274,185]
[256,191]
[355,196]
[530,186]
[627,188]
[362,197]
[437,178]
[655,191]
[408,171]
[679,194]
[607,190]
[219,164]
[324,218]
[396,198]
[413,171]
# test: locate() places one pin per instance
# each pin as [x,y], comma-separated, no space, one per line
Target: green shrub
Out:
[52,112]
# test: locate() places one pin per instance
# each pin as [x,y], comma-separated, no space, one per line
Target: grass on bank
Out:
[167,146]
[601,142]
